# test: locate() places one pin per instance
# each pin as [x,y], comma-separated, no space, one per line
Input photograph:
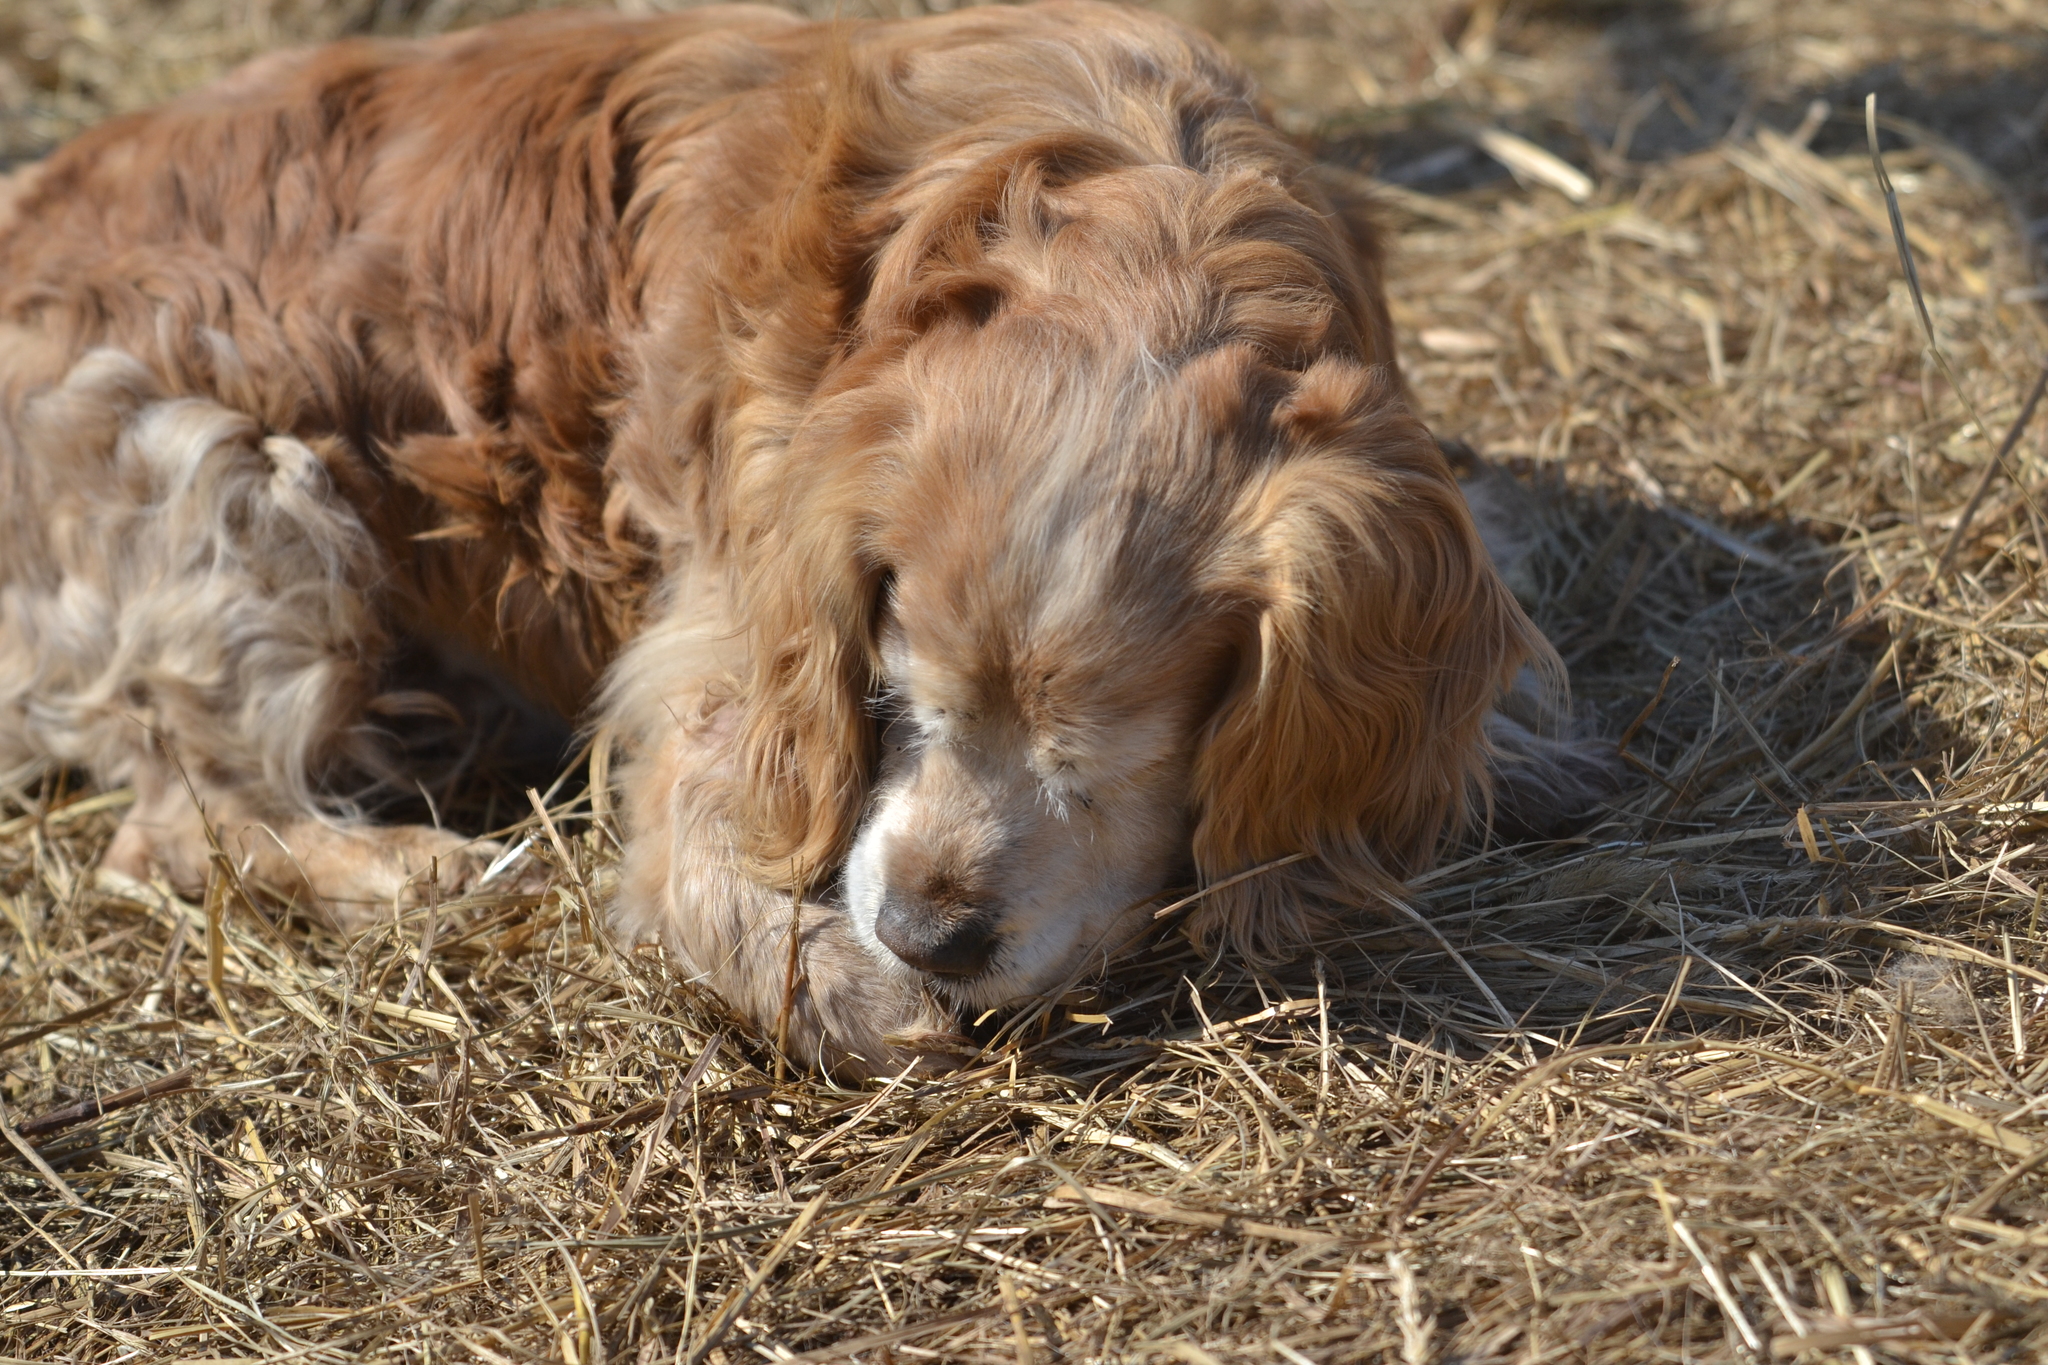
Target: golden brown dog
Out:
[962,462]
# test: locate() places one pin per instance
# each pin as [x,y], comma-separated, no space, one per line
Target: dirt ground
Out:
[1755,1069]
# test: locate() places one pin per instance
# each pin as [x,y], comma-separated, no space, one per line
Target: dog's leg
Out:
[355,874]
[840,1008]
[684,886]
[187,606]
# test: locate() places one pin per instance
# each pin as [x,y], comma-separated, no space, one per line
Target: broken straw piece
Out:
[1530,162]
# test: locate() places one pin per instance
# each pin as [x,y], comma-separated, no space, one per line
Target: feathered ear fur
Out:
[807,742]
[1355,733]
[858,284]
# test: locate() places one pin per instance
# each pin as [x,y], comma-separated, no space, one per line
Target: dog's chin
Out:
[995,989]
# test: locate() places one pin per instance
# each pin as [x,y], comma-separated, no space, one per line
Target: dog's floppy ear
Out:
[807,743]
[1378,637]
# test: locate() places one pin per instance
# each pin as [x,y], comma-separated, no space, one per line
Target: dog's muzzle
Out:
[944,943]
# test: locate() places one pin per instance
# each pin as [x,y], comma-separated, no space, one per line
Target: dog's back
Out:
[433,259]
[411,247]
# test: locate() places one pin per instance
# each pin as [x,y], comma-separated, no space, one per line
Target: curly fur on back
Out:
[187,575]
[705,356]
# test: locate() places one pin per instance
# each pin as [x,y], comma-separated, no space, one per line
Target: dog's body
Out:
[962,462]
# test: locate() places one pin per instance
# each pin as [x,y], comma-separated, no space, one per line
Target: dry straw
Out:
[1756,1068]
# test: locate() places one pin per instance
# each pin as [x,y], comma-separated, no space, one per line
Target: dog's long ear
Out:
[1378,637]
[807,741]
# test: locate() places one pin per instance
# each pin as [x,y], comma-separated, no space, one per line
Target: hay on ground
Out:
[1756,1068]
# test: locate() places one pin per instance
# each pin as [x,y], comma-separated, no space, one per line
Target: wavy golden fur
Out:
[962,461]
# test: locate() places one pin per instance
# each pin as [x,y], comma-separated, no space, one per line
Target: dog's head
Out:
[1119,562]
[1247,621]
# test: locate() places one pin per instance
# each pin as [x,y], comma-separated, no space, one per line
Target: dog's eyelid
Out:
[943,727]
[1052,758]
[1061,799]
[1058,769]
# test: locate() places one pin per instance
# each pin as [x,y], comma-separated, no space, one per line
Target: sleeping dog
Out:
[962,463]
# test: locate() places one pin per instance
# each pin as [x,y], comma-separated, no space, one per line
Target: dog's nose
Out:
[944,945]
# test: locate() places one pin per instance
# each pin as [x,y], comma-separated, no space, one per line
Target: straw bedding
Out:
[1756,1069]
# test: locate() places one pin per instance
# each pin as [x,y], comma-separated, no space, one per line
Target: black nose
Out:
[944,944]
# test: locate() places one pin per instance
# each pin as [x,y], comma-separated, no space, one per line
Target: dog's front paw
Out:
[866,1018]
[355,875]
[358,875]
